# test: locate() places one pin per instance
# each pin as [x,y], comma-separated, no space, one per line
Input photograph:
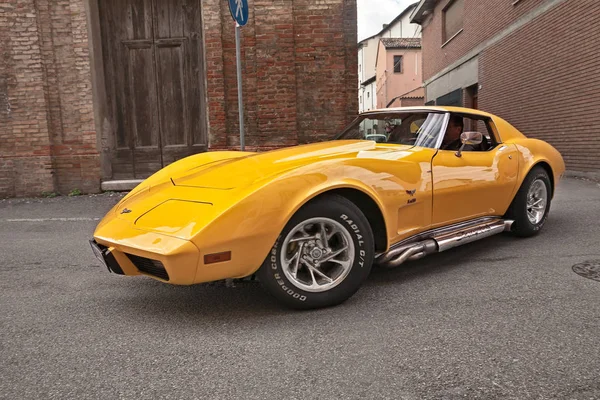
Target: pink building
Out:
[399,73]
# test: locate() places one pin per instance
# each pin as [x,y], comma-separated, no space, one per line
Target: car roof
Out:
[461,110]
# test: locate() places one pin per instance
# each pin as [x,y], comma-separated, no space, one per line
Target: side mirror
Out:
[472,138]
[469,138]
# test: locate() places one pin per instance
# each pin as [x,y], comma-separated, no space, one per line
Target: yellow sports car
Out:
[311,220]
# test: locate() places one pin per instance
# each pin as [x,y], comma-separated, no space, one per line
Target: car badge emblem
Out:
[126,211]
[411,192]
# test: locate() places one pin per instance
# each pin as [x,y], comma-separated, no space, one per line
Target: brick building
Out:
[533,62]
[98,90]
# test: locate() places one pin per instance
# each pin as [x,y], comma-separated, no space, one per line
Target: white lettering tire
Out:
[322,256]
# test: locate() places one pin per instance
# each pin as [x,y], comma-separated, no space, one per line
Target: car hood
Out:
[186,196]
[233,173]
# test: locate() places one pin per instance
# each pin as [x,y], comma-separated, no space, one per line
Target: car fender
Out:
[242,230]
[534,152]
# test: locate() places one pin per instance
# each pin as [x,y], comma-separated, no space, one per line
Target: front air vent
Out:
[149,266]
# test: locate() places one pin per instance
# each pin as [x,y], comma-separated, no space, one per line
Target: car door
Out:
[476,184]
[405,182]
[399,168]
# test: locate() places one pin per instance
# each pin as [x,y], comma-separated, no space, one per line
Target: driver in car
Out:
[452,137]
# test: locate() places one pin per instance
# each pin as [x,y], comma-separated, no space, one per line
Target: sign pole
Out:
[239,13]
[239,83]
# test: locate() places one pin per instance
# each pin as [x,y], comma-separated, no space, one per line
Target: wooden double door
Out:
[154,74]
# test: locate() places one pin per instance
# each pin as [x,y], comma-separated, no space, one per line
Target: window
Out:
[452,19]
[410,128]
[466,123]
[397,64]
[368,94]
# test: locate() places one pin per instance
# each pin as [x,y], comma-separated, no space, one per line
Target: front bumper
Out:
[171,242]
[148,266]
[106,257]
[124,250]
[178,268]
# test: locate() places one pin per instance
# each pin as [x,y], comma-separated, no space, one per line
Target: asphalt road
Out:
[501,318]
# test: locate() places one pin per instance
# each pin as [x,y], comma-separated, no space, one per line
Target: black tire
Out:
[349,218]
[518,210]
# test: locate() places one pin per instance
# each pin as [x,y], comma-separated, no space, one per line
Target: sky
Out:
[372,14]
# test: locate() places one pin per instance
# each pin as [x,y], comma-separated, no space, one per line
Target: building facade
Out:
[99,90]
[368,53]
[533,62]
[368,95]
[399,72]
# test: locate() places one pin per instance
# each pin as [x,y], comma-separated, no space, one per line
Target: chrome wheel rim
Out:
[537,199]
[317,254]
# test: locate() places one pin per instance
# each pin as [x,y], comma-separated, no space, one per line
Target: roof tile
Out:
[401,43]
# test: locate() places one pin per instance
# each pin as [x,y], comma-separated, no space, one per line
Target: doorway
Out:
[154,81]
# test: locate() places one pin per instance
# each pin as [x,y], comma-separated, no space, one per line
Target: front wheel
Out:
[531,204]
[322,256]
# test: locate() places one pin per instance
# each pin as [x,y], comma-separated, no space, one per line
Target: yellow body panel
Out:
[240,202]
[477,184]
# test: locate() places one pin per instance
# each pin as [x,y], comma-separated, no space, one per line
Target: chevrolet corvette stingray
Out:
[311,220]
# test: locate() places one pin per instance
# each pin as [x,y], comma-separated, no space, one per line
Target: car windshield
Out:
[412,128]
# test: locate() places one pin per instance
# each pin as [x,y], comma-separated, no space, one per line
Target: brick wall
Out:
[25,162]
[545,81]
[47,137]
[409,103]
[65,52]
[299,69]
[300,73]
[543,77]
[482,20]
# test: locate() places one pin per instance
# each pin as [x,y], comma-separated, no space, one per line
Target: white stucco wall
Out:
[367,97]
[367,55]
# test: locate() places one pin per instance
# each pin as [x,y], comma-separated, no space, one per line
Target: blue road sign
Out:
[239,11]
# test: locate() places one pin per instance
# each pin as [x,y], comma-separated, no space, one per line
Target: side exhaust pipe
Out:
[469,235]
[443,241]
[416,251]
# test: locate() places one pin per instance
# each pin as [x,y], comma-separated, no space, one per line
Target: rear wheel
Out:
[322,256]
[531,205]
